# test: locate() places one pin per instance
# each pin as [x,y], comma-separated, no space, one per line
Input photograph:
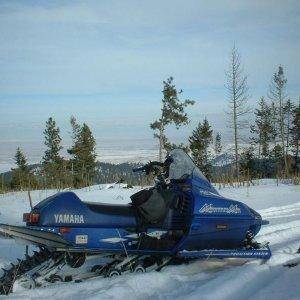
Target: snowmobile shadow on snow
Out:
[181,218]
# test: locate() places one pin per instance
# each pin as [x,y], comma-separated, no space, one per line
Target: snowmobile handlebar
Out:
[140,169]
[155,167]
[149,167]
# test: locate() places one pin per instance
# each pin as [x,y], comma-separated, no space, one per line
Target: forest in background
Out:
[272,150]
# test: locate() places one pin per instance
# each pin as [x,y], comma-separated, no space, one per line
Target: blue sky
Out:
[104,61]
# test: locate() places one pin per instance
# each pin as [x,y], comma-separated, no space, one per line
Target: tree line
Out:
[273,149]
[55,171]
[273,146]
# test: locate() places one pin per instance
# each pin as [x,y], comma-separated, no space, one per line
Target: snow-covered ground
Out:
[226,279]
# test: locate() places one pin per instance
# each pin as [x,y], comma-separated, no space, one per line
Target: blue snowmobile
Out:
[182,217]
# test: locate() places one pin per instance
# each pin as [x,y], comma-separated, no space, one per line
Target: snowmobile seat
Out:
[152,206]
[111,209]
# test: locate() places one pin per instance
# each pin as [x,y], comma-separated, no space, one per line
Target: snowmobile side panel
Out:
[88,240]
[217,222]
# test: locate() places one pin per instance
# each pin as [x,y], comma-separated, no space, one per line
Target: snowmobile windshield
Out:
[182,166]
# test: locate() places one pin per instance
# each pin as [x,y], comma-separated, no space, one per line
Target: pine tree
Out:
[172,112]
[288,110]
[278,95]
[218,144]
[295,132]
[53,163]
[83,153]
[88,153]
[248,163]
[237,89]
[75,129]
[274,124]
[21,160]
[277,157]
[262,129]
[200,141]
[74,150]
[21,176]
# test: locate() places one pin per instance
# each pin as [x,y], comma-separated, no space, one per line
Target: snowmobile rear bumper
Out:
[34,236]
[232,253]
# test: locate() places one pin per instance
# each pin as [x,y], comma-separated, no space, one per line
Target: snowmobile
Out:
[181,218]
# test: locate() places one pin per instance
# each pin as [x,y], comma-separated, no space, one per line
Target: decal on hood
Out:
[233,209]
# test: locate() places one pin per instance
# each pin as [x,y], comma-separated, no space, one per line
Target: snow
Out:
[227,279]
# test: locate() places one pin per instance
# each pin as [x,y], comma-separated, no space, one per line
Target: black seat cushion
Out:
[152,205]
[111,209]
[141,197]
[154,209]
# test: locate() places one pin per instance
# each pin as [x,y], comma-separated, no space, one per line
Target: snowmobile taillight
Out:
[31,218]
[63,230]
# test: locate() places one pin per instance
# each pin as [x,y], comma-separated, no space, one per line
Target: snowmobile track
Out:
[20,268]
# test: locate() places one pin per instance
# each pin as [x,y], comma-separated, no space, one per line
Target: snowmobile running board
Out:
[231,253]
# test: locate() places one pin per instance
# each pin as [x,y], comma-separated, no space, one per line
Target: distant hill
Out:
[108,172]
[105,173]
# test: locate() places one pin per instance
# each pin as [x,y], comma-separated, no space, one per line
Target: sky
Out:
[104,62]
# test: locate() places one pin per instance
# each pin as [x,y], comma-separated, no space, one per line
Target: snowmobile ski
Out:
[228,253]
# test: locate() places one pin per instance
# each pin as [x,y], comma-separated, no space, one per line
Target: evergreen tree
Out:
[172,112]
[53,165]
[218,144]
[171,146]
[83,153]
[262,129]
[288,110]
[199,141]
[274,124]
[21,176]
[277,157]
[295,132]
[88,151]
[248,163]
[278,95]
[21,160]
[75,129]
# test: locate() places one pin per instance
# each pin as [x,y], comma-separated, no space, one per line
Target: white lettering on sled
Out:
[210,209]
[69,218]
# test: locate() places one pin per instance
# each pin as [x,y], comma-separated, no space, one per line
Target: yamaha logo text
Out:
[69,218]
